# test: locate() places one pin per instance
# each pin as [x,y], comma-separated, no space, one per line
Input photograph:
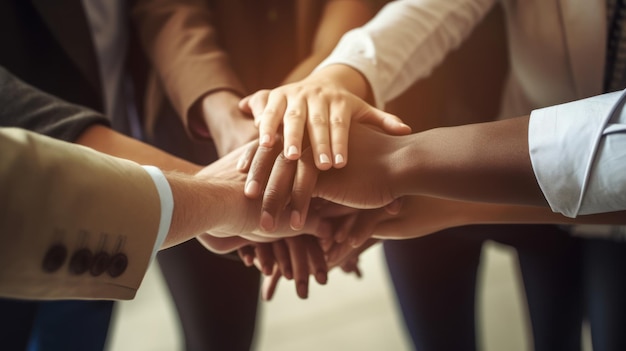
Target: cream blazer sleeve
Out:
[74,223]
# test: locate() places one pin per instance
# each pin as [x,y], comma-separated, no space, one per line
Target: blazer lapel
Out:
[67,21]
[584,23]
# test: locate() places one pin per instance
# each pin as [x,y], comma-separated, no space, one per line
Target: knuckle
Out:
[268,112]
[317,119]
[272,199]
[338,121]
[293,115]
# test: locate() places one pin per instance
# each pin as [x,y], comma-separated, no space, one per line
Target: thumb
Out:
[389,123]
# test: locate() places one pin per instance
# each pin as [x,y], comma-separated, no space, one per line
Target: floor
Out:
[347,314]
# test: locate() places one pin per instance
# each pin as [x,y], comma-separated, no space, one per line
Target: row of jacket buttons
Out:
[84,260]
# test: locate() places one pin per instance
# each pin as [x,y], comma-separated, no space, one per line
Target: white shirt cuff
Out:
[579,156]
[167,206]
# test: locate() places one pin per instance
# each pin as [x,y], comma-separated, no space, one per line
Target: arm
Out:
[181,41]
[26,107]
[338,17]
[499,162]
[88,201]
[403,43]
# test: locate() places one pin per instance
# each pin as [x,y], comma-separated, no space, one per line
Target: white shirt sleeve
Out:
[167,206]
[578,155]
[405,41]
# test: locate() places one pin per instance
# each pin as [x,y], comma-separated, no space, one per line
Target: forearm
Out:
[479,162]
[108,141]
[188,69]
[405,41]
[485,213]
[198,207]
[338,17]
[423,215]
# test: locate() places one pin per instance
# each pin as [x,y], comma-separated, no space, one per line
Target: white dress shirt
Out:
[579,155]
[409,38]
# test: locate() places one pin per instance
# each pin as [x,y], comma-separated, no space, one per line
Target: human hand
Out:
[294,258]
[229,126]
[367,182]
[325,109]
[240,214]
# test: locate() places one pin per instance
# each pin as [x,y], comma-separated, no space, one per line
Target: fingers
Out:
[339,132]
[283,259]
[294,123]
[271,118]
[386,121]
[302,189]
[317,261]
[300,264]
[277,192]
[245,160]
[318,128]
[260,169]
[265,258]
[246,254]
[269,285]
[344,227]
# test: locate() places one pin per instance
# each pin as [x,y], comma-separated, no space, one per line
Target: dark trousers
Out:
[435,282]
[54,325]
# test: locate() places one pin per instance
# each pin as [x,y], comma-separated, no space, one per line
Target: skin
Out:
[219,111]
[213,184]
[485,163]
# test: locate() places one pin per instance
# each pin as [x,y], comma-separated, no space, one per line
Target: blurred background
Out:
[347,314]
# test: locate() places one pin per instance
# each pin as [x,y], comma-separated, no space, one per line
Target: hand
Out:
[294,258]
[367,182]
[239,215]
[229,126]
[325,109]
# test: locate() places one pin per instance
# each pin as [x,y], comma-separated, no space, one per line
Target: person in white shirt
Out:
[557,53]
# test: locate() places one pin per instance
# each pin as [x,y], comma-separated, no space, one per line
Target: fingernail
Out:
[248,260]
[295,220]
[252,188]
[267,270]
[302,290]
[288,273]
[267,221]
[265,140]
[324,159]
[354,243]
[293,150]
[338,159]
[241,163]
[321,277]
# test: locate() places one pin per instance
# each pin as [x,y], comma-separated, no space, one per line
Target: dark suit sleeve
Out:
[24,106]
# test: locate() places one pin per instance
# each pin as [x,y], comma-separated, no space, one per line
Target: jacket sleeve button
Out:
[99,264]
[118,265]
[54,258]
[81,261]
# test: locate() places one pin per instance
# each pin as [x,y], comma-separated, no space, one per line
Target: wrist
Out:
[345,77]
[405,165]
[197,207]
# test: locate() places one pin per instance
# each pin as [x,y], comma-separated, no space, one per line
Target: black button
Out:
[54,258]
[118,265]
[81,261]
[99,264]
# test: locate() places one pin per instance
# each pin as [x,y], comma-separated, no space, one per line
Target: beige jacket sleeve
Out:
[181,43]
[74,223]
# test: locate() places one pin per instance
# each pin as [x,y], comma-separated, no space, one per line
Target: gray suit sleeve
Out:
[24,106]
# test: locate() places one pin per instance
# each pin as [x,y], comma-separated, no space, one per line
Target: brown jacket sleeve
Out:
[181,42]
